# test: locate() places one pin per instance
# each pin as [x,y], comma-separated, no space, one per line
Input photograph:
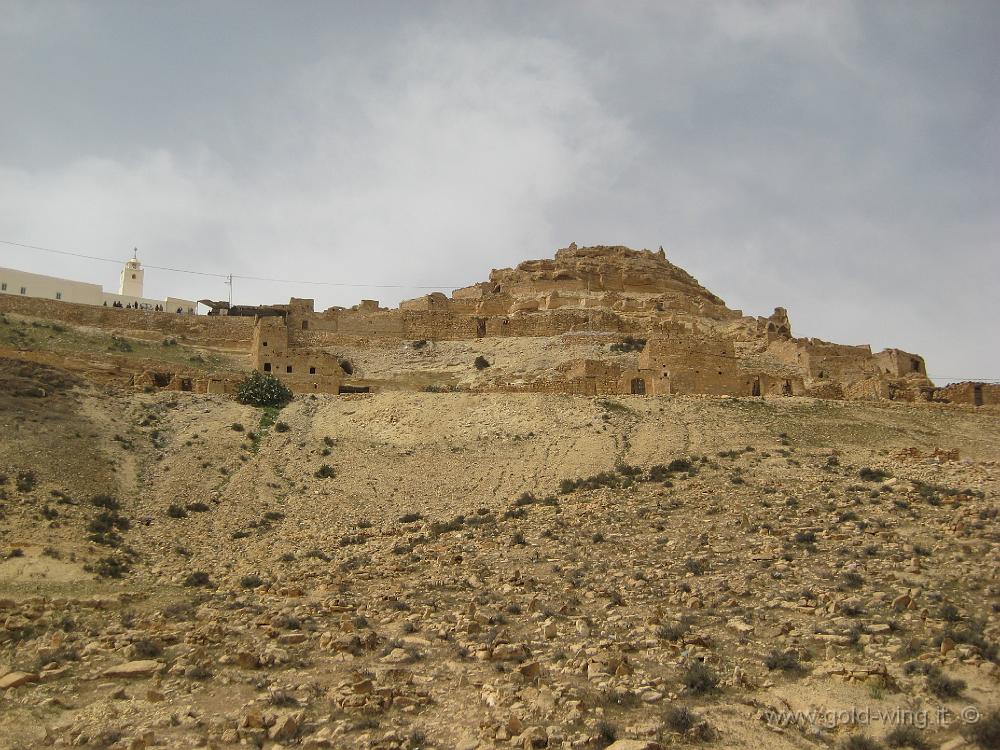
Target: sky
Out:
[840,159]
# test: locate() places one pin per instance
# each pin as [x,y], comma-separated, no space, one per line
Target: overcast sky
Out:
[839,159]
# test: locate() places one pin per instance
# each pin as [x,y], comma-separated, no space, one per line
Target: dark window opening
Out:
[58,295]
[354,389]
[305,325]
[480,327]
[915,365]
[786,388]
[288,368]
[264,344]
[755,391]
[133,276]
[312,370]
[24,290]
[977,395]
[638,387]
[267,367]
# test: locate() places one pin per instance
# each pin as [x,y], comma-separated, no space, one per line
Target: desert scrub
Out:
[869,474]
[699,679]
[263,389]
[26,481]
[198,578]
[325,472]
[108,567]
[786,661]
[629,344]
[481,363]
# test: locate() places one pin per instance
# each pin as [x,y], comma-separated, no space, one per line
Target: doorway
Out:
[638,387]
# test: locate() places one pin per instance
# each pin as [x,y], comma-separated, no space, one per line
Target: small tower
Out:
[131,278]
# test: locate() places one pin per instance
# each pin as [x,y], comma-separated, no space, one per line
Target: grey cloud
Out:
[839,159]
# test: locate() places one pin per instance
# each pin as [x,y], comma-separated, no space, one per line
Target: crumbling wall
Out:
[221,332]
[896,363]
[824,360]
[976,394]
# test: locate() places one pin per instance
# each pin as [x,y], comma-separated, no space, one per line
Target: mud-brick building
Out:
[681,364]
[302,368]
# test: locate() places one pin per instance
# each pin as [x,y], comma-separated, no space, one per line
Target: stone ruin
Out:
[687,340]
[611,320]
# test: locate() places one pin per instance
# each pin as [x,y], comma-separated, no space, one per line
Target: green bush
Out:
[263,389]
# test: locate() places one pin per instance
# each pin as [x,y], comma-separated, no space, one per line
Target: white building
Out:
[129,290]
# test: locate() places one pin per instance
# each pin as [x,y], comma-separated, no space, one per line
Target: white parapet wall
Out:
[40,286]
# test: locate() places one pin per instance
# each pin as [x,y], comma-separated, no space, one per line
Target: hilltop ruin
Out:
[601,320]
[683,337]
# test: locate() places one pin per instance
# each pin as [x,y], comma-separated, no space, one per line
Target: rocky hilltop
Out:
[601,268]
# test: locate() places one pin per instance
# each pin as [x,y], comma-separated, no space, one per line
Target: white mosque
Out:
[129,290]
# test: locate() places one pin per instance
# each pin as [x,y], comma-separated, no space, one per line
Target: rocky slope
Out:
[428,570]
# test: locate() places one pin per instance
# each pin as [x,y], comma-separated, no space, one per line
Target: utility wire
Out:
[233,276]
[227,276]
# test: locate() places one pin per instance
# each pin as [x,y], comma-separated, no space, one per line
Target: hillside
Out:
[411,569]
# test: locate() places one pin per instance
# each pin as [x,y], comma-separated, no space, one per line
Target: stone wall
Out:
[220,332]
[977,394]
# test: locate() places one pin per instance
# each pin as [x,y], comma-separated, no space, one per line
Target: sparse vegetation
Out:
[699,679]
[263,389]
[869,474]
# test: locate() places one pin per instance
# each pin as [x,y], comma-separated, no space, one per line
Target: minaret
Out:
[131,278]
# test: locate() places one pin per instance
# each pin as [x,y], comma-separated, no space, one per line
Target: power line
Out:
[228,276]
[964,377]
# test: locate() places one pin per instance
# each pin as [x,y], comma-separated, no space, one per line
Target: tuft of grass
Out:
[699,679]
[985,732]
[607,733]
[105,501]
[786,661]
[907,735]
[869,474]
[860,742]
[694,565]
[679,718]
[943,686]
[198,578]
[325,472]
